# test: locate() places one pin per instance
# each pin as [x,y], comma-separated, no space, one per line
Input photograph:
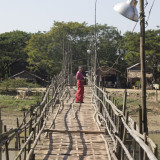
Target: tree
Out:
[131,45]
[108,44]
[46,50]
[12,49]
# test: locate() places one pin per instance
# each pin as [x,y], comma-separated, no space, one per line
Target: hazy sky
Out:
[39,15]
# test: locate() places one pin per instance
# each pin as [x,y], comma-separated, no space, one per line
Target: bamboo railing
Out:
[33,122]
[129,142]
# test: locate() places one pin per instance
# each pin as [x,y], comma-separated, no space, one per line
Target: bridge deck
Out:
[73,145]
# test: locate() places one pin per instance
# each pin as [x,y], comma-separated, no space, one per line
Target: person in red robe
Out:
[80,86]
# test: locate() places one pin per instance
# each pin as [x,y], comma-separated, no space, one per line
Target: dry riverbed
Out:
[133,102]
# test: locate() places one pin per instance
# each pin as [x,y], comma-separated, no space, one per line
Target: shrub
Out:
[13,84]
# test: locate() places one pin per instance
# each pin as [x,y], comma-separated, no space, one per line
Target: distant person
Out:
[80,85]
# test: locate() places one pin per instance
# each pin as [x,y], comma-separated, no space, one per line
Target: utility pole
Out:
[143,67]
[63,47]
[95,51]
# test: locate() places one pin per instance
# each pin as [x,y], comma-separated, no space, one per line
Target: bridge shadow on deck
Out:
[70,147]
[81,134]
[69,134]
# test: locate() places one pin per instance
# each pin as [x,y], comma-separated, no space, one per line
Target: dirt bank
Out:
[133,102]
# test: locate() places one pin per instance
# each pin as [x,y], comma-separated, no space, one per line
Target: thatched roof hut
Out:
[30,77]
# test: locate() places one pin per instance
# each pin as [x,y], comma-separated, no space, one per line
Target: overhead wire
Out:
[139,17]
[150,12]
[132,31]
[111,66]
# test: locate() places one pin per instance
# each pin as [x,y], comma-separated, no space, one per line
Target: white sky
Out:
[39,15]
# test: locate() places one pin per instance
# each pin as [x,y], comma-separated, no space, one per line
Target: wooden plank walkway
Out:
[72,145]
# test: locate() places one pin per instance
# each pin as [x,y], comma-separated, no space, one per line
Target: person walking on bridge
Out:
[80,85]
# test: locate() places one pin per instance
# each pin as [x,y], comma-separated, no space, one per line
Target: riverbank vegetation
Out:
[42,53]
[12,100]
[15,104]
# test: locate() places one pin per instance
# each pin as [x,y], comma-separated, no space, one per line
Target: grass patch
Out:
[9,103]
[130,102]
[11,85]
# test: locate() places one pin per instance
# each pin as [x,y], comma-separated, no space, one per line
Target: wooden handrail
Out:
[136,135]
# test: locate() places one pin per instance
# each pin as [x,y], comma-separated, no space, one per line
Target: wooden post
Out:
[140,131]
[134,144]
[143,66]
[0,134]
[156,151]
[124,102]
[109,111]
[156,95]
[101,97]
[25,137]
[18,138]
[124,136]
[35,126]
[30,130]
[32,157]
[145,140]
[115,117]
[6,145]
[119,135]
[19,142]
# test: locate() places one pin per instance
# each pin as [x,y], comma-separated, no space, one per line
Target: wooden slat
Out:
[74,131]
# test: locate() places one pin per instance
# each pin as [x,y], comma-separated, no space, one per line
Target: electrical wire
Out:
[111,66]
[135,26]
[139,17]
[150,12]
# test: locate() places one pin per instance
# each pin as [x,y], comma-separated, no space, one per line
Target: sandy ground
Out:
[10,119]
[153,106]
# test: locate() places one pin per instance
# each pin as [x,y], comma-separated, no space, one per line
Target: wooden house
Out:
[108,77]
[134,75]
[30,77]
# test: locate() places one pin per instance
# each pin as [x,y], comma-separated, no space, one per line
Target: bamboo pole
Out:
[25,138]
[124,102]
[145,141]
[6,145]
[0,134]
[140,131]
[134,144]
[124,136]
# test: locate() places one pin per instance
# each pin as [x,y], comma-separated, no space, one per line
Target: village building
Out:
[30,78]
[134,76]
[108,77]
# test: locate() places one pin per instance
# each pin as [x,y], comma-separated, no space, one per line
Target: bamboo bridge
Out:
[58,128]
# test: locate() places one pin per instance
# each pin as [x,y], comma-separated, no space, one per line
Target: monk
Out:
[80,85]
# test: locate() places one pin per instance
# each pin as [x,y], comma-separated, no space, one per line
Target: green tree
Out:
[131,46]
[12,49]
[45,50]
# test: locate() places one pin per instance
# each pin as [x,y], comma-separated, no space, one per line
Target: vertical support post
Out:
[134,144]
[25,137]
[95,53]
[145,141]
[119,135]
[156,95]
[0,134]
[143,67]
[19,139]
[124,102]
[124,136]
[140,131]
[30,130]
[156,151]
[109,110]
[6,145]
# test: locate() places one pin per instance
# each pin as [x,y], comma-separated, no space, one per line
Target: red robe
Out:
[80,87]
